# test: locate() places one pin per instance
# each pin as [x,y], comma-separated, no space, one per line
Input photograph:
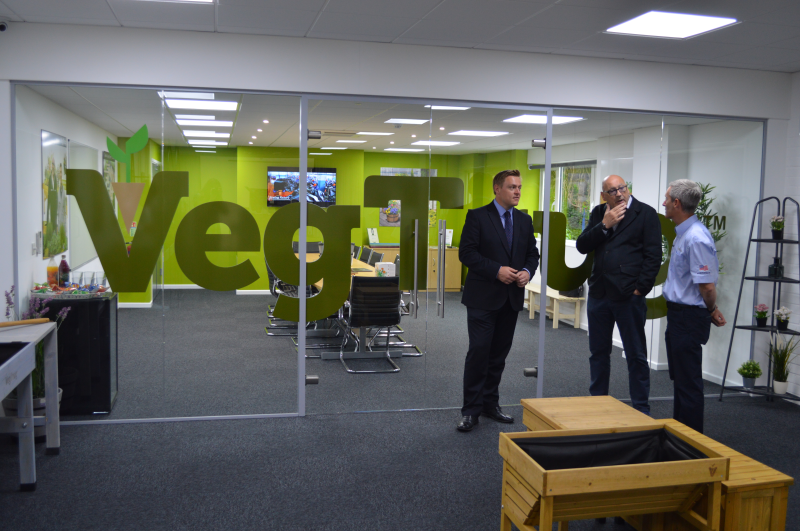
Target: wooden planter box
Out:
[536,495]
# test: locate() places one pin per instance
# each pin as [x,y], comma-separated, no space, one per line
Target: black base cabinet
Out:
[87,354]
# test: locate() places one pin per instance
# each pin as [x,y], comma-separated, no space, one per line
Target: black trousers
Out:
[688,328]
[491,333]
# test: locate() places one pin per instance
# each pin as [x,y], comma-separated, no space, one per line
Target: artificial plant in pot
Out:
[37,308]
[782,315]
[777,227]
[749,371]
[781,352]
[761,312]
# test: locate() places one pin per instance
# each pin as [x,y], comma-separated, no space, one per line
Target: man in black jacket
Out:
[499,248]
[625,236]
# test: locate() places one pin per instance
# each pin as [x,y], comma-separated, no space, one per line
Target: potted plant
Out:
[782,315]
[37,308]
[777,227]
[781,353]
[749,371]
[761,315]
[392,214]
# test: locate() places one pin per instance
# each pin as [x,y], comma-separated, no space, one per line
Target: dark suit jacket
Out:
[626,259]
[484,249]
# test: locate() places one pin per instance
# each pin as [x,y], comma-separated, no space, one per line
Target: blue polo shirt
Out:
[693,261]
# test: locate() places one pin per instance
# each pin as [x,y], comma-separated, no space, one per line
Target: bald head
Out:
[618,187]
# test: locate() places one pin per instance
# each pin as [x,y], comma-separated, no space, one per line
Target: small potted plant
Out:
[761,315]
[392,214]
[781,353]
[782,315]
[777,227]
[749,371]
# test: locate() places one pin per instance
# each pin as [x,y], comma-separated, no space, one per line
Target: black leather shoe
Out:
[498,415]
[468,422]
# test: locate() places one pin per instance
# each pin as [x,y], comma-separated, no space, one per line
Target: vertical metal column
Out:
[543,256]
[415,293]
[301,322]
[440,277]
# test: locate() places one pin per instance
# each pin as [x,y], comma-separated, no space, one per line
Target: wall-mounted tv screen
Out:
[284,184]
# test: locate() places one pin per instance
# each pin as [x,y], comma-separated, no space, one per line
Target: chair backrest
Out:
[356,249]
[374,258]
[311,247]
[352,248]
[397,261]
[321,246]
[365,255]
[374,301]
[272,278]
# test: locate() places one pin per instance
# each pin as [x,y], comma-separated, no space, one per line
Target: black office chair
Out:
[277,287]
[355,250]
[374,258]
[352,248]
[374,303]
[365,255]
[311,247]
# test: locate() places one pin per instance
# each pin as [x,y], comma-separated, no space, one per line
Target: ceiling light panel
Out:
[402,149]
[374,133]
[478,133]
[408,121]
[188,95]
[204,151]
[542,119]
[203,105]
[434,143]
[671,25]
[333,148]
[446,108]
[352,141]
[194,117]
[206,134]
[205,123]
[208,143]
[320,153]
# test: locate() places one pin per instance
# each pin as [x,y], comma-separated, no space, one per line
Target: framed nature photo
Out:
[54,194]
[109,173]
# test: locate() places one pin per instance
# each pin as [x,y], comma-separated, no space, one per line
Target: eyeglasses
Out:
[615,191]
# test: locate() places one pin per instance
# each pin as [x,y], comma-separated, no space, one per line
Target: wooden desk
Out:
[389,253]
[534,288]
[754,497]
[310,257]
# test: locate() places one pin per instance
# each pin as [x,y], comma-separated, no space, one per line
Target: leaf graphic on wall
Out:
[134,144]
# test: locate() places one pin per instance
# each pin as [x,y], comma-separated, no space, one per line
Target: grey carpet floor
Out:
[206,353]
[377,471]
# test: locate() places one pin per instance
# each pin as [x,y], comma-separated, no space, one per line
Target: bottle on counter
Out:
[63,272]
[52,273]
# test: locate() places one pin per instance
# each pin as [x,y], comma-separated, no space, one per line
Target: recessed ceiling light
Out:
[188,95]
[434,143]
[446,108]
[205,123]
[671,25]
[320,153]
[249,142]
[478,133]
[181,1]
[194,117]
[402,149]
[441,129]
[259,130]
[373,147]
[391,142]
[266,121]
[253,137]
[405,121]
[373,133]
[208,143]
[206,134]
[542,119]
[352,141]
[204,151]
[333,148]
[413,136]
[202,105]
[204,145]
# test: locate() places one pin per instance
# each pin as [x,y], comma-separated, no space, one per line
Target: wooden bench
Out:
[534,288]
[754,497]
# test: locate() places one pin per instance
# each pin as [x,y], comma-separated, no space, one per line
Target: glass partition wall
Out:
[214,184]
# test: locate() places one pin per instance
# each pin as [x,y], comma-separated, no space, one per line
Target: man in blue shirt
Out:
[691,296]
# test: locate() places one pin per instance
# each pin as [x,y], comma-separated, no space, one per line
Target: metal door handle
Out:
[441,272]
[414,294]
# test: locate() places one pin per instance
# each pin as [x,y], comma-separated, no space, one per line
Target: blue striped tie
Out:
[509,229]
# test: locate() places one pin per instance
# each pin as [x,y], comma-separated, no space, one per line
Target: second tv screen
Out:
[284,186]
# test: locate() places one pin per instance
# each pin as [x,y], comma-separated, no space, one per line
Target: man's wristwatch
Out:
[712,310]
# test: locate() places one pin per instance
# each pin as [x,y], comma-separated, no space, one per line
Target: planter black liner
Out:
[608,449]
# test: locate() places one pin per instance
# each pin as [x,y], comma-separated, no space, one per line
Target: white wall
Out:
[6,201]
[34,113]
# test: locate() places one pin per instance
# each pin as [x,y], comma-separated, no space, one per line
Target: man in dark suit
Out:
[499,248]
[625,236]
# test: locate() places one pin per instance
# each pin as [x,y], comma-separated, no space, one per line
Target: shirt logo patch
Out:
[703,269]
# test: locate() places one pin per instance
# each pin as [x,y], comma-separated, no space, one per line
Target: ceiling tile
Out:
[7,14]
[788,15]
[407,8]
[738,9]
[548,37]
[763,56]
[447,30]
[515,48]
[359,27]
[789,67]
[264,20]
[293,5]
[501,12]
[792,44]
[697,49]
[165,15]
[72,12]
[750,33]
[623,44]
[577,17]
